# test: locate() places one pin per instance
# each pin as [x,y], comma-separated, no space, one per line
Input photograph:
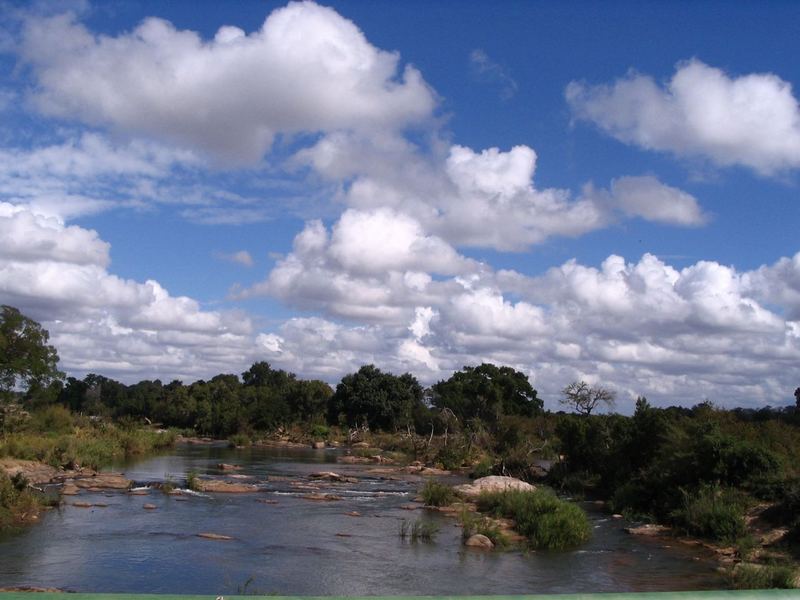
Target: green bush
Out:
[320,432]
[53,419]
[762,577]
[239,439]
[547,521]
[437,494]
[712,512]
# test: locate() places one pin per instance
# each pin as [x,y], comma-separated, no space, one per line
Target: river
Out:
[290,545]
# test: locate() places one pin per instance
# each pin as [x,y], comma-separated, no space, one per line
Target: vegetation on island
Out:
[706,471]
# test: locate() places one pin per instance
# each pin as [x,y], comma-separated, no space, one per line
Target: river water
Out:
[290,545]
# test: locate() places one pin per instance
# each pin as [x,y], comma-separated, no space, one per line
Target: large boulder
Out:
[493,483]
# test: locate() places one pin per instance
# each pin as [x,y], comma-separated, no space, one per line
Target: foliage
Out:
[713,513]
[487,392]
[548,522]
[762,577]
[93,446]
[193,481]
[584,398]
[472,524]
[25,356]
[420,530]
[238,440]
[436,494]
[375,399]
[17,503]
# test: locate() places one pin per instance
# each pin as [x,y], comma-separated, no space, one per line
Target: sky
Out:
[604,192]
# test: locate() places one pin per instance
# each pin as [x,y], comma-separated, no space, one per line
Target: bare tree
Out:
[585,398]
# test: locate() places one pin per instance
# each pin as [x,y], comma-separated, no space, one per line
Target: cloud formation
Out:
[752,120]
[306,70]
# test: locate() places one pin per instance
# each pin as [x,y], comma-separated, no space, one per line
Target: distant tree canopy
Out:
[25,356]
[376,399]
[487,392]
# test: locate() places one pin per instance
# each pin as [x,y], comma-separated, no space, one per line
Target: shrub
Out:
[53,419]
[547,521]
[17,503]
[320,431]
[761,577]
[437,494]
[712,512]
[239,439]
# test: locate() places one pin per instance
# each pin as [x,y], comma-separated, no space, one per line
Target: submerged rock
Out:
[227,467]
[321,497]
[493,483]
[214,536]
[331,476]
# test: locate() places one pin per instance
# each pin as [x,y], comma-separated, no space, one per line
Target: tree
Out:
[25,356]
[797,397]
[584,398]
[487,392]
[379,400]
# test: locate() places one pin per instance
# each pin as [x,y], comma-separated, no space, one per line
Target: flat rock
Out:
[82,504]
[149,507]
[479,540]
[105,481]
[214,536]
[353,513]
[493,483]
[35,472]
[354,460]
[359,445]
[225,487]
[69,489]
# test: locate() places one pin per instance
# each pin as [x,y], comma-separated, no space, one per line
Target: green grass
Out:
[193,481]
[762,577]
[92,446]
[548,522]
[713,513]
[437,494]
[418,531]
[472,524]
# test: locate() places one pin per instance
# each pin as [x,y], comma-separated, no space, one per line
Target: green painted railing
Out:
[706,595]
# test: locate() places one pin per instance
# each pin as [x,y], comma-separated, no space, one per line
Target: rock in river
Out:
[479,541]
[225,487]
[493,483]
[107,481]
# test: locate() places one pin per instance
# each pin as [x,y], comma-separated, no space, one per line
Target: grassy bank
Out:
[18,504]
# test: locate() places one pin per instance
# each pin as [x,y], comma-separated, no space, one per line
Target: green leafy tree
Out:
[26,359]
[487,392]
[377,399]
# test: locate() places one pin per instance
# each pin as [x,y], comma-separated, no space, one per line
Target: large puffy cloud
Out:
[752,120]
[307,69]
[487,198]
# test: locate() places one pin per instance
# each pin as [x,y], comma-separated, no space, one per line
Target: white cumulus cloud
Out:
[752,120]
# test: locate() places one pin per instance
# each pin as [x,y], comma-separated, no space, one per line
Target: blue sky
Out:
[598,191]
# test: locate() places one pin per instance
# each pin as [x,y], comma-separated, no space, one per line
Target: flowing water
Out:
[286,544]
